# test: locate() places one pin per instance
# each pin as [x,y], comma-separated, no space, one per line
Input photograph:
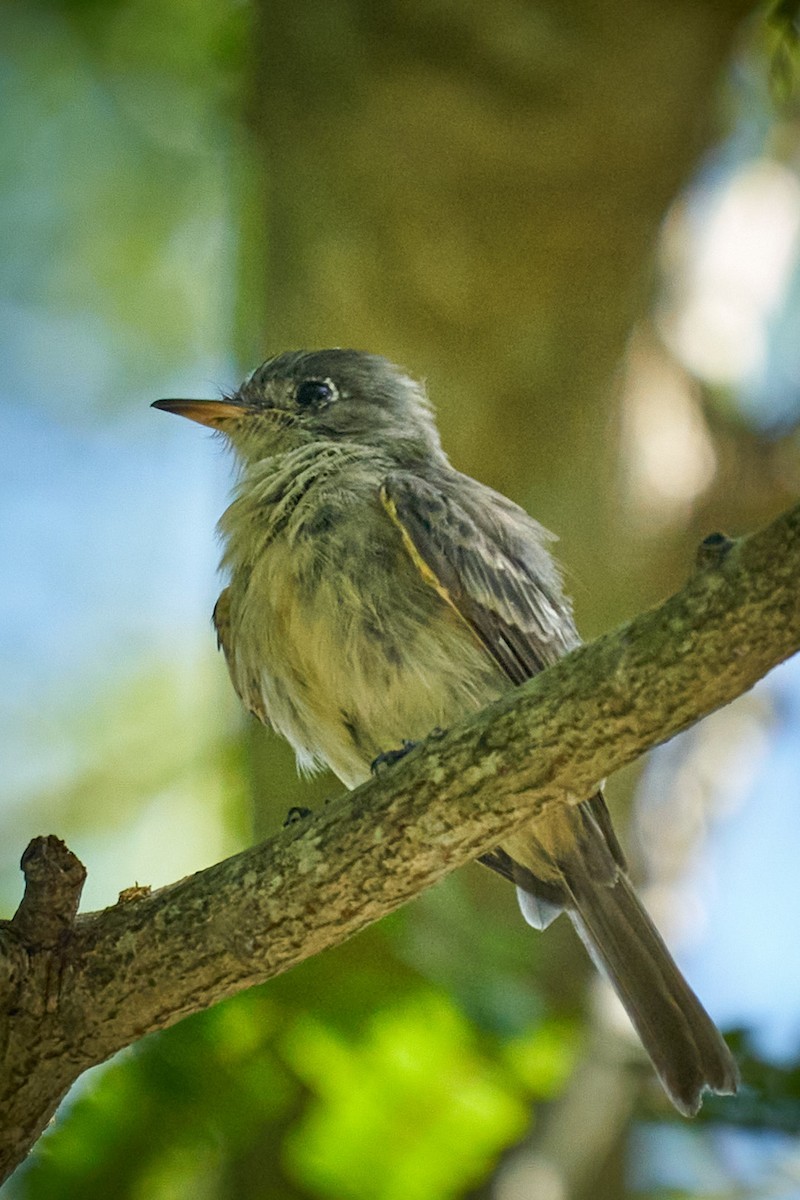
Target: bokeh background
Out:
[580,223]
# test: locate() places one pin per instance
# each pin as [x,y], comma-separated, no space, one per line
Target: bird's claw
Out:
[389,757]
[295,814]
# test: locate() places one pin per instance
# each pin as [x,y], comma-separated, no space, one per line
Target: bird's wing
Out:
[489,561]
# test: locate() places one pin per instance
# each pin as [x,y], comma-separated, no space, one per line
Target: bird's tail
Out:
[687,1050]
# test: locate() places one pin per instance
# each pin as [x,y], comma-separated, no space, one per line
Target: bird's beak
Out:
[218,414]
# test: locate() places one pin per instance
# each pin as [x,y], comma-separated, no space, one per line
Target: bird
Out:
[375,594]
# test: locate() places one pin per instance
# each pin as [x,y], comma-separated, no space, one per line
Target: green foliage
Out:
[174,1116]
[413,1110]
[349,1078]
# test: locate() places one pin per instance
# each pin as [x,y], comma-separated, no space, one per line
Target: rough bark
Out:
[74,992]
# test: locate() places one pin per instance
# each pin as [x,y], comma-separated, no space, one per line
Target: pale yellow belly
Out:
[347,673]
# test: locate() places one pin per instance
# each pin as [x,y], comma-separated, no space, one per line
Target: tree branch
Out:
[73,993]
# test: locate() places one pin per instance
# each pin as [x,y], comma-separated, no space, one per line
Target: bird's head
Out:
[320,395]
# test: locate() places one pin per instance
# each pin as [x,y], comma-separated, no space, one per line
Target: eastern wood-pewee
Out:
[376,593]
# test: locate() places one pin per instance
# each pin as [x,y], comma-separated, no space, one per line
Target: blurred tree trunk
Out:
[475,191]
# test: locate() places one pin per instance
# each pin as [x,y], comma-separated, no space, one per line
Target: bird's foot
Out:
[390,757]
[296,814]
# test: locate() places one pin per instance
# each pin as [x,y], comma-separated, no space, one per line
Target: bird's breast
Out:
[342,646]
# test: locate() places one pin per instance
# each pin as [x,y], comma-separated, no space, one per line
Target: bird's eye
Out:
[315,393]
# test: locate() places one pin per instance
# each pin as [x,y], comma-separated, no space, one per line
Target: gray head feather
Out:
[336,395]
